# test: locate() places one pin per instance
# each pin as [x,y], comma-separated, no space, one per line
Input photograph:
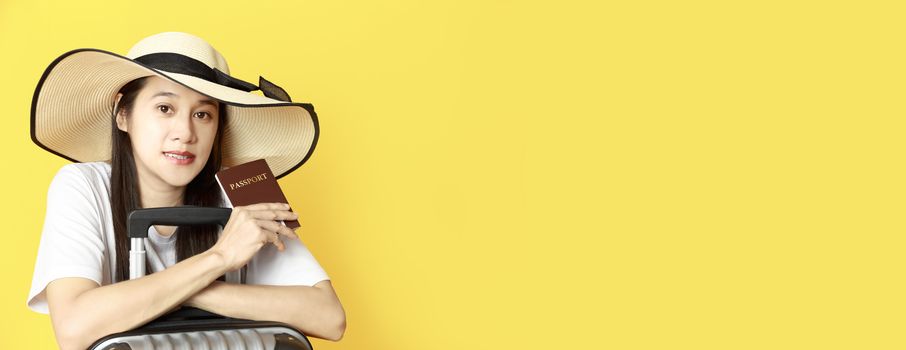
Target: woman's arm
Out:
[82,312]
[315,310]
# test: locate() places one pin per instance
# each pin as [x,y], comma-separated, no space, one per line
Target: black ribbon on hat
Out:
[177,63]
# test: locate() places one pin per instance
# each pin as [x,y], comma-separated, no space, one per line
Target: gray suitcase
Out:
[187,327]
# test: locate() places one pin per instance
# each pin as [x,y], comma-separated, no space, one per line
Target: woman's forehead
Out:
[160,87]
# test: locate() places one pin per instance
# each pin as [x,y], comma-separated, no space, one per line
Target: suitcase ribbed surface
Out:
[272,338]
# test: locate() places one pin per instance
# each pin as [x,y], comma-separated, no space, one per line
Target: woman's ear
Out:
[120,114]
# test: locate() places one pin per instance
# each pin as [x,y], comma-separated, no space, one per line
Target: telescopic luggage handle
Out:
[140,220]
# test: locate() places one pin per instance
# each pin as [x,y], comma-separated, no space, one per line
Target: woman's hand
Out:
[250,228]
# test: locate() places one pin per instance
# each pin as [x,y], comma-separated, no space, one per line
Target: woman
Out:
[150,130]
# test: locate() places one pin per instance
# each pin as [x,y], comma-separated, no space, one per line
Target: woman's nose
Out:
[182,129]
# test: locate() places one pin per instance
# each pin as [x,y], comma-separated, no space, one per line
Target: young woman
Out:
[150,130]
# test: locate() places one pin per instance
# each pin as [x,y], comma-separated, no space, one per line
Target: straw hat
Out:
[72,109]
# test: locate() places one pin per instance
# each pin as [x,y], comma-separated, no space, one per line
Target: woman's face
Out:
[172,129]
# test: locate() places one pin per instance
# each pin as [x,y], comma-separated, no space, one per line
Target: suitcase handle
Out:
[140,220]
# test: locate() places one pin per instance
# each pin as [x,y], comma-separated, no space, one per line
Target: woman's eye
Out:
[163,108]
[203,114]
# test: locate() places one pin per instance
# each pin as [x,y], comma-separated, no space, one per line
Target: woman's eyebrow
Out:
[165,93]
[170,94]
[207,102]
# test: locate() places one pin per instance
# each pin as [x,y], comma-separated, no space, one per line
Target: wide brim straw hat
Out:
[73,104]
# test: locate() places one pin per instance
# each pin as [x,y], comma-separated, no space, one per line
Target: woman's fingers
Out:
[268,217]
[277,242]
[276,227]
[268,206]
[273,214]
[272,237]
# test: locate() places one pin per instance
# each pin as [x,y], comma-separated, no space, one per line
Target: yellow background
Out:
[515,174]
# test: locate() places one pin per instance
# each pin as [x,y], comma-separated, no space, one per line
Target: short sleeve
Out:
[71,242]
[295,265]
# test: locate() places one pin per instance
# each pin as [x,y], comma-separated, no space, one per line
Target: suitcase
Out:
[188,327]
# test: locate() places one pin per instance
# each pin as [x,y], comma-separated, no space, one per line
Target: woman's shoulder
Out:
[88,176]
[90,170]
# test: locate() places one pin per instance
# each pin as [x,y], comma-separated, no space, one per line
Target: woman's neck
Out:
[160,195]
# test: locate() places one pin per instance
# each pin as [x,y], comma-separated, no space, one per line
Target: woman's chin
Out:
[181,176]
[177,181]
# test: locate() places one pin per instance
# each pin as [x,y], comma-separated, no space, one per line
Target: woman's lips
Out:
[189,158]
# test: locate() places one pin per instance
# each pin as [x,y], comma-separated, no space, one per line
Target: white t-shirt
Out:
[78,241]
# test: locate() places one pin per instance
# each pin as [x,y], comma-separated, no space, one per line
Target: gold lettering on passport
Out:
[248,181]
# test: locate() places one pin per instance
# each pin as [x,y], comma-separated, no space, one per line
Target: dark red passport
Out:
[252,183]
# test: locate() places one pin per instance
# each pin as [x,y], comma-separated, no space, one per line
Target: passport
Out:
[252,183]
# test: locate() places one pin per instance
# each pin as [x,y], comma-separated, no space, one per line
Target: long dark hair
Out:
[203,190]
